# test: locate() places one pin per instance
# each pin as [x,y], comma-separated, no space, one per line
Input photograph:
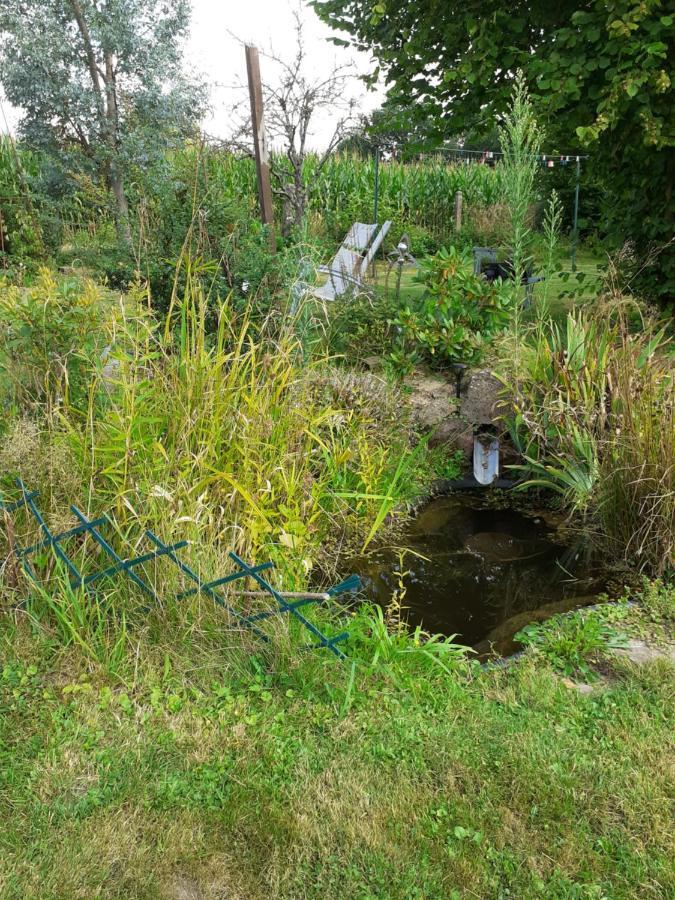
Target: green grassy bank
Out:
[313,779]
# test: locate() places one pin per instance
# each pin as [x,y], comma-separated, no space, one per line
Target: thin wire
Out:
[490,154]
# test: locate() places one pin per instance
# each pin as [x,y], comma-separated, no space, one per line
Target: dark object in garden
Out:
[486,264]
[459,369]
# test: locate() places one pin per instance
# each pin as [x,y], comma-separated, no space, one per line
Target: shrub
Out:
[457,315]
[360,326]
[20,231]
[50,334]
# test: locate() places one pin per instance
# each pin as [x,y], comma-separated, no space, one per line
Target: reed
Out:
[593,417]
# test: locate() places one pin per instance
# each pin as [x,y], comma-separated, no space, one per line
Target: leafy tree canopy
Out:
[601,71]
[99,81]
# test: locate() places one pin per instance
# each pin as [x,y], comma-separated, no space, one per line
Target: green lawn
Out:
[588,266]
[297,783]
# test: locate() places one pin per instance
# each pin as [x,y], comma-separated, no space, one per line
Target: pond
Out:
[481,572]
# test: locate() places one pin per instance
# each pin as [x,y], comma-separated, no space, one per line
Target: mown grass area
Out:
[305,780]
[584,281]
[565,289]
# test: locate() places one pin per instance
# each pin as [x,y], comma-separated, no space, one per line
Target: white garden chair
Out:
[350,264]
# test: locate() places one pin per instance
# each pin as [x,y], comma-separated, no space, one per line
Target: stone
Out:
[432,400]
[182,888]
[374,363]
[454,432]
[640,652]
[582,687]
[433,407]
[481,403]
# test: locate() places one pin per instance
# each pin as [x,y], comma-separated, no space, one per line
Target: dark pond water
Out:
[481,573]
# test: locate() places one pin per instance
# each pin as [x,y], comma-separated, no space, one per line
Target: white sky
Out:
[212,50]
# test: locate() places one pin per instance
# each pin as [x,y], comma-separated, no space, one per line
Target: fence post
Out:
[262,158]
[458,211]
[575,227]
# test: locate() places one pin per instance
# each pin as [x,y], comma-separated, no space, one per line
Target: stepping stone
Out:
[640,652]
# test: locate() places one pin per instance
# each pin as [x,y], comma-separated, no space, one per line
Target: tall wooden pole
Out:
[262,157]
[458,211]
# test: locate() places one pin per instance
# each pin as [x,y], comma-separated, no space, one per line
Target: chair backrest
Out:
[350,263]
[359,236]
[341,274]
[374,247]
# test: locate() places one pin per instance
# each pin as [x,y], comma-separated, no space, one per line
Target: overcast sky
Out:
[212,50]
[263,23]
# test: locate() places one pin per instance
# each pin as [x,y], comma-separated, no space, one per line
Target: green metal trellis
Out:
[94,528]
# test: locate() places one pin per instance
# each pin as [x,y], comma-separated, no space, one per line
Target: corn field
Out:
[19,229]
[417,196]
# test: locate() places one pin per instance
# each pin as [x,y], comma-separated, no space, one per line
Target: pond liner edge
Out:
[504,662]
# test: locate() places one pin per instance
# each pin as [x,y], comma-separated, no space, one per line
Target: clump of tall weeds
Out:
[592,414]
[229,439]
[234,438]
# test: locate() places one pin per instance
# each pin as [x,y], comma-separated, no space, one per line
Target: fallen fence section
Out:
[117,565]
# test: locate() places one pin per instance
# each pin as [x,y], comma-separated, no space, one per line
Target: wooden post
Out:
[262,157]
[458,211]
[3,261]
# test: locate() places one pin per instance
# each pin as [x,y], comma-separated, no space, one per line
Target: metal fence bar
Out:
[127,565]
[331,641]
[258,617]
[221,581]
[287,607]
[17,504]
[205,586]
[91,526]
[101,541]
[72,568]
[72,532]
[353,583]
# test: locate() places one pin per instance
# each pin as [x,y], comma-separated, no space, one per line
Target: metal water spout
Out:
[485,458]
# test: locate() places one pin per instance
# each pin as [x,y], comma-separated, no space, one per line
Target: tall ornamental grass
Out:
[593,415]
[232,438]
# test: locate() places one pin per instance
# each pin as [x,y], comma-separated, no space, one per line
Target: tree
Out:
[600,71]
[291,102]
[99,82]
[389,129]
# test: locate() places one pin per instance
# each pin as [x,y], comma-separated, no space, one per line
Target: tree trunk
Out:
[114,173]
[122,206]
[109,121]
[299,194]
